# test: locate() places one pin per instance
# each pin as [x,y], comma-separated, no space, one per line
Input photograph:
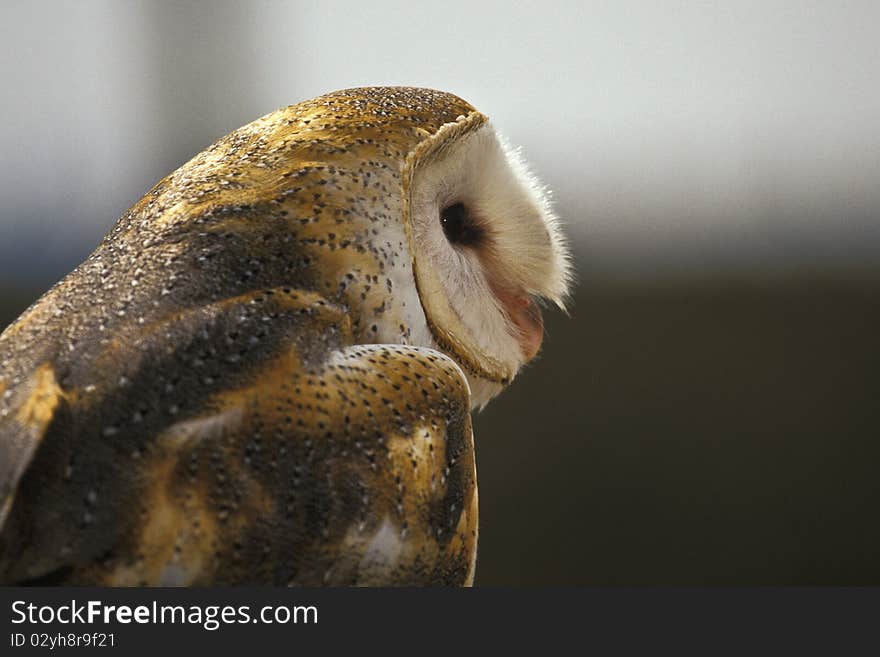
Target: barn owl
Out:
[264,373]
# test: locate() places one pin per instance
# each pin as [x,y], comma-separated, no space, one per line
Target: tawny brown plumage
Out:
[238,385]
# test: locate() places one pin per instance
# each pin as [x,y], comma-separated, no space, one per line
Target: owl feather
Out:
[264,374]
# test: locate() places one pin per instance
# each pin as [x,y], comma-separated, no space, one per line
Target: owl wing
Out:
[244,441]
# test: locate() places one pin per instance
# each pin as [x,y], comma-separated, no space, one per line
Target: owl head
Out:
[401,204]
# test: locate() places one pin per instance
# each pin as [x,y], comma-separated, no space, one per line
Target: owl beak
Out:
[526,317]
[530,322]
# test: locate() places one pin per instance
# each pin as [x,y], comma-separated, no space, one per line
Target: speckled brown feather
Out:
[191,405]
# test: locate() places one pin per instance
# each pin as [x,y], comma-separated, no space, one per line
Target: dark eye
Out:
[459,227]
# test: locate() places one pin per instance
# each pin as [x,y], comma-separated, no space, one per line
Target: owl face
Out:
[486,249]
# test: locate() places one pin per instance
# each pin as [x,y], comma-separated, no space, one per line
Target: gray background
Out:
[708,414]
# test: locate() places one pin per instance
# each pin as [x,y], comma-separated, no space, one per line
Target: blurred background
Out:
[710,411]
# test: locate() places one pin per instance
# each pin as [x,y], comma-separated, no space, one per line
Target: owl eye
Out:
[459,226]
